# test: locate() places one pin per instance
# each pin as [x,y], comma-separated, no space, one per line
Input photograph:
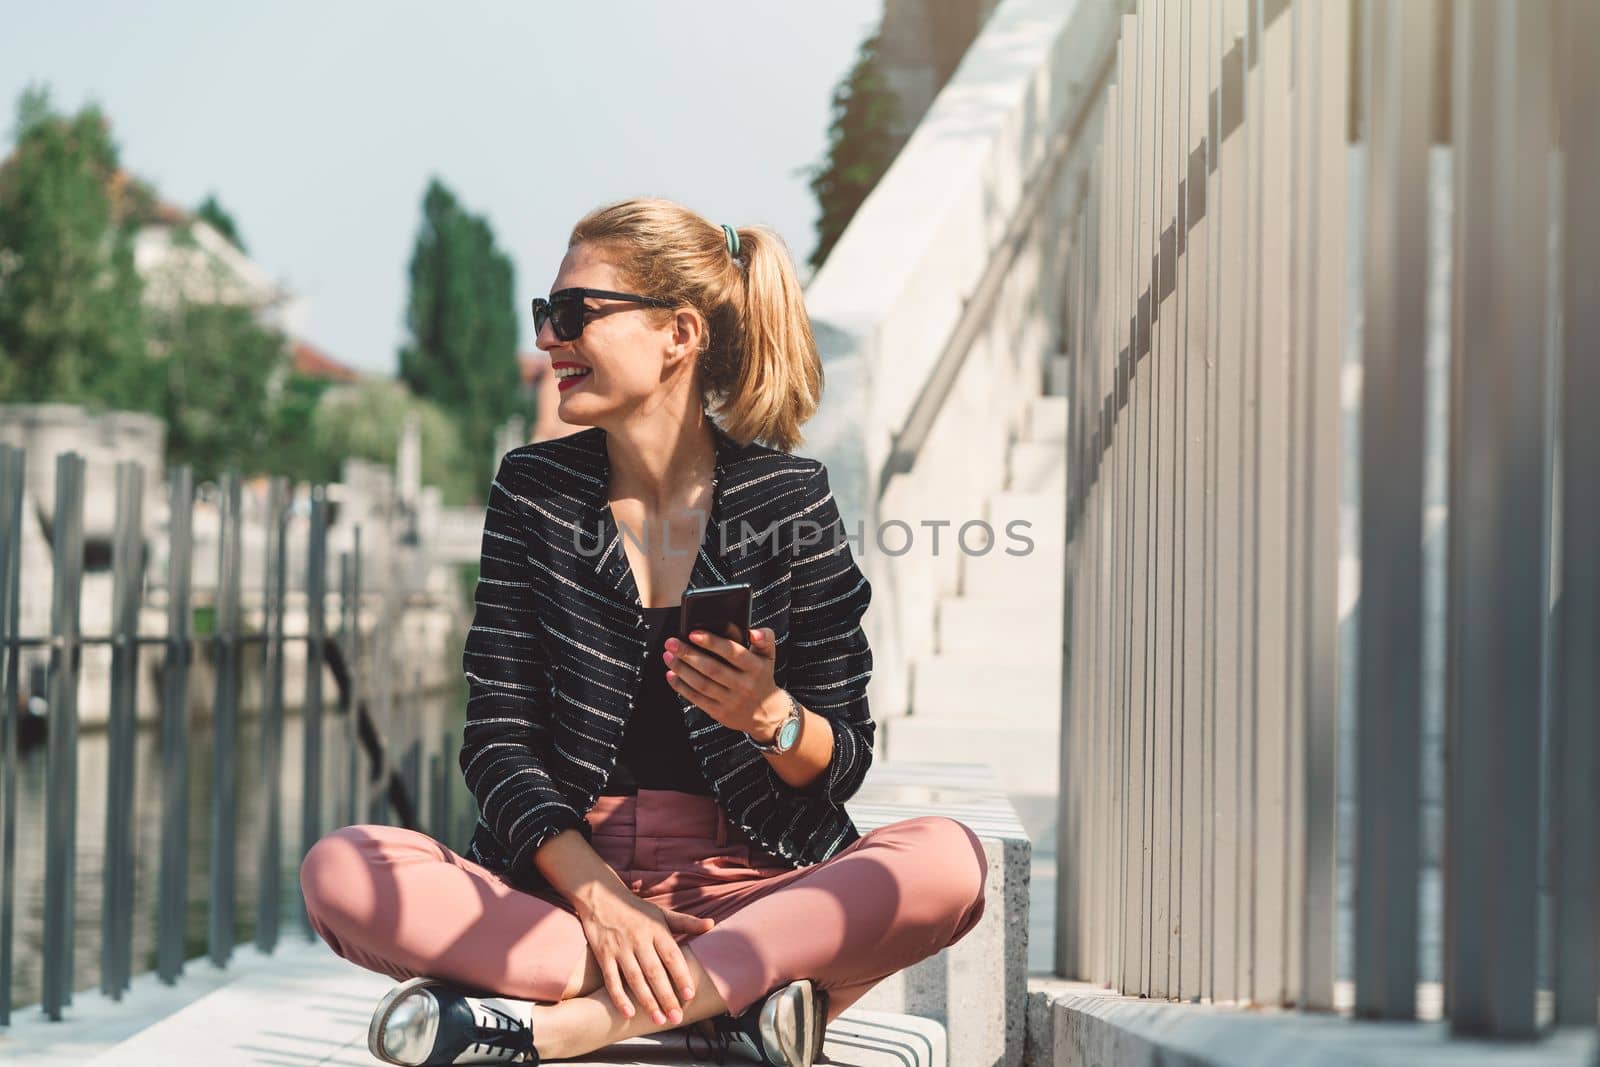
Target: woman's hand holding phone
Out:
[730,682]
[632,941]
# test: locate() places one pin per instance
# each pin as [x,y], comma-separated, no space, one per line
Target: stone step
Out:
[1047,419]
[1038,506]
[1024,757]
[973,626]
[1025,689]
[1034,466]
[1039,568]
[1044,512]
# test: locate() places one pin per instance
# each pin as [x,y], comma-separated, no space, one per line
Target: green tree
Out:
[861,145]
[213,213]
[221,371]
[365,420]
[462,350]
[71,324]
[297,448]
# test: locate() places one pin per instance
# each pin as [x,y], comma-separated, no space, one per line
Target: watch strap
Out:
[772,746]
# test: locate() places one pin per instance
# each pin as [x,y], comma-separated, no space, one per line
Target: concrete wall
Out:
[893,290]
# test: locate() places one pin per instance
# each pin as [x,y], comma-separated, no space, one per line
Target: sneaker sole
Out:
[385,1008]
[821,1028]
[793,1021]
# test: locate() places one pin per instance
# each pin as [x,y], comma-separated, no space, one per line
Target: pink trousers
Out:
[400,903]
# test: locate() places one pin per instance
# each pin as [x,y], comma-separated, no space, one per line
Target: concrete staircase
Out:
[991,693]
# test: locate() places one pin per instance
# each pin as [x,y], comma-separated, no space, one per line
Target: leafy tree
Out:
[365,419]
[220,369]
[213,213]
[297,448]
[861,145]
[71,323]
[462,352]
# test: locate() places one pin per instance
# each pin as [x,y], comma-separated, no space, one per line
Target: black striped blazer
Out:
[557,644]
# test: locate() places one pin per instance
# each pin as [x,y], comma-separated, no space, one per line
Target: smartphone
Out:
[718,609]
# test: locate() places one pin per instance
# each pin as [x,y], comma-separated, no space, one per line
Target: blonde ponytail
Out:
[759,370]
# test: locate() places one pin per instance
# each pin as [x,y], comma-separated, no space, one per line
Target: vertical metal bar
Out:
[1271,471]
[1107,317]
[1230,721]
[1126,947]
[1135,966]
[174,906]
[1182,773]
[1250,506]
[12,476]
[127,565]
[1163,355]
[224,723]
[1071,795]
[1086,582]
[1112,585]
[1088,414]
[357,653]
[1389,680]
[1105,343]
[1285,39]
[61,772]
[349,801]
[1577,678]
[316,586]
[270,844]
[1071,847]
[1210,30]
[1321,91]
[1498,548]
[1194,360]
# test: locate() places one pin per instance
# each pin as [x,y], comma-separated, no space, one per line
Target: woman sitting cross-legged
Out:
[662,841]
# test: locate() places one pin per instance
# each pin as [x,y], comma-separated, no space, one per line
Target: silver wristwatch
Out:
[788,730]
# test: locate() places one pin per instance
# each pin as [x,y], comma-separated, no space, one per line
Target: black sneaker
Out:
[427,1022]
[783,1029]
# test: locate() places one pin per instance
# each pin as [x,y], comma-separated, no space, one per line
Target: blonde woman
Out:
[663,840]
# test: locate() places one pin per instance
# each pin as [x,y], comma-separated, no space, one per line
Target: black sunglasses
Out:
[565,310]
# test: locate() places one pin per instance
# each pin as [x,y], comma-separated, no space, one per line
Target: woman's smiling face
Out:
[621,359]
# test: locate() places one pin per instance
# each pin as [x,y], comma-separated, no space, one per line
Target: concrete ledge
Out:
[304,1005]
[857,1038]
[1072,1023]
[95,1022]
[977,988]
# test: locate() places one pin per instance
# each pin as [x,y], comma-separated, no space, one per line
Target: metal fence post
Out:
[174,889]
[11,484]
[225,723]
[1389,677]
[116,931]
[312,716]
[1577,677]
[270,844]
[1498,536]
[61,774]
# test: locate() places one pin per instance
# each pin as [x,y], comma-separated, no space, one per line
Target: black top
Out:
[655,751]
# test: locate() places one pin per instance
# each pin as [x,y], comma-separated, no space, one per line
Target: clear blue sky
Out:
[317,125]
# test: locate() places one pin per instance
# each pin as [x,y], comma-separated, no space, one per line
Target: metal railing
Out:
[1200,833]
[389,784]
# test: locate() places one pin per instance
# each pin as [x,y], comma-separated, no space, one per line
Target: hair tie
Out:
[731,238]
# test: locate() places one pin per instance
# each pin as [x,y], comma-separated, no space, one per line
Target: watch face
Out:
[786,734]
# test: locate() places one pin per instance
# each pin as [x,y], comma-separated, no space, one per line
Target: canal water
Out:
[427,717]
